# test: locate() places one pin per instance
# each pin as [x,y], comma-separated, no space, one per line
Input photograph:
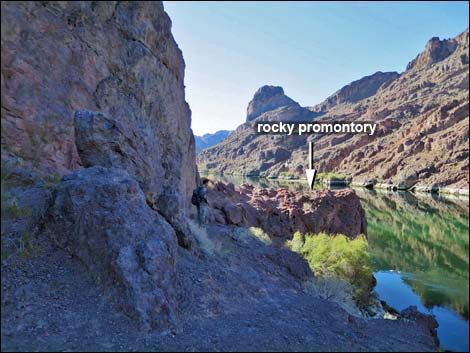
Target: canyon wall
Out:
[115,58]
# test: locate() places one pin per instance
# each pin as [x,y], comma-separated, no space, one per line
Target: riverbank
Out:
[345,182]
[419,247]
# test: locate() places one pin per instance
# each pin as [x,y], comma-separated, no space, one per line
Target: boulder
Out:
[233,213]
[100,215]
[406,179]
[429,322]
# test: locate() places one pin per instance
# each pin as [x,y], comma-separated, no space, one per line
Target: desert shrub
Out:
[24,244]
[287,175]
[329,288]
[333,289]
[296,243]
[51,182]
[246,234]
[338,257]
[201,236]
[259,234]
[337,176]
[20,243]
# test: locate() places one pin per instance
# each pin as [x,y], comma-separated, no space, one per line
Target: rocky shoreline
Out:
[433,189]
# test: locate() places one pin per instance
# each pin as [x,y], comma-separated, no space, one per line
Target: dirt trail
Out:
[245,296]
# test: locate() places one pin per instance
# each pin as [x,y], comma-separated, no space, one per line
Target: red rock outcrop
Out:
[282,212]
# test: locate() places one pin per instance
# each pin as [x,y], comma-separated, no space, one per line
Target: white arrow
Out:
[311,173]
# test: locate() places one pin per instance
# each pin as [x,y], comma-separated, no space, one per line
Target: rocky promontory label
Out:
[300,128]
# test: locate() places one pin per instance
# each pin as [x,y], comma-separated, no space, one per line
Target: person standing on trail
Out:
[200,201]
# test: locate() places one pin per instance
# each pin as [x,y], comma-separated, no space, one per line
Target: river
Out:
[419,247]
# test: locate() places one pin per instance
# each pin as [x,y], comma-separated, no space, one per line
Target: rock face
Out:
[115,58]
[100,85]
[422,118]
[103,141]
[436,50]
[357,90]
[100,216]
[209,140]
[265,99]
[282,212]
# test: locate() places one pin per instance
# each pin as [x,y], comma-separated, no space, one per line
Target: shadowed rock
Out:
[103,141]
[100,216]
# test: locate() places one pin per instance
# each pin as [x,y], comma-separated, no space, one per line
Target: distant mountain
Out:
[208,140]
[422,116]
[267,98]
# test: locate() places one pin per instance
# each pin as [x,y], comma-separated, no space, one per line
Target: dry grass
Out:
[200,233]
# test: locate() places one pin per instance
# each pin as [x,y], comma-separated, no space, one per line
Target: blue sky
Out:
[311,49]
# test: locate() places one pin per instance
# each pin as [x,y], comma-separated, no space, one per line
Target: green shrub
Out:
[339,257]
[51,182]
[296,243]
[24,244]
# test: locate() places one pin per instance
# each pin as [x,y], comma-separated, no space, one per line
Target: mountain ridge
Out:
[422,115]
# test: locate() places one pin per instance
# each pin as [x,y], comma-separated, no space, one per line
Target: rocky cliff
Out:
[422,134]
[107,57]
[97,89]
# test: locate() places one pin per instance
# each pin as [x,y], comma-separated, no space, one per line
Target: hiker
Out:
[200,201]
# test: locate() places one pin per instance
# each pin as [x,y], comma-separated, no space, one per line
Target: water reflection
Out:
[426,237]
[419,247]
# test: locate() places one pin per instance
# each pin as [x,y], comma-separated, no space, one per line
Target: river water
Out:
[419,246]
